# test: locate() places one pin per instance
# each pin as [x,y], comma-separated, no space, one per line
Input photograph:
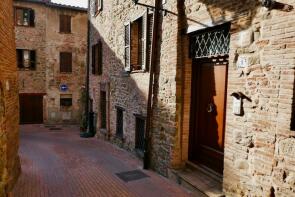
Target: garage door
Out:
[31,109]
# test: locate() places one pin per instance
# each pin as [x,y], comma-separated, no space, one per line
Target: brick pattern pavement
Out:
[60,163]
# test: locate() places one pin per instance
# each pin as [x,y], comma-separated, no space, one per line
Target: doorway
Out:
[208,104]
[31,108]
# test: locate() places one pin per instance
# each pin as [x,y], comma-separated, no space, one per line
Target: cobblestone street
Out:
[60,163]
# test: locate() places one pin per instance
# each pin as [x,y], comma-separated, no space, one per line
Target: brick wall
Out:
[259,146]
[48,43]
[9,161]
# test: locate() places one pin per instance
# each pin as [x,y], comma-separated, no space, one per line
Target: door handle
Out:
[210,108]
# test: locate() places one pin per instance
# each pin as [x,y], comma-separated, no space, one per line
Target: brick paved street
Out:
[60,163]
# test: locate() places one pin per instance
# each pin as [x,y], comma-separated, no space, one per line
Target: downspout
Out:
[149,119]
[87,69]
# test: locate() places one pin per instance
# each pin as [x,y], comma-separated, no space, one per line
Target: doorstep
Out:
[198,180]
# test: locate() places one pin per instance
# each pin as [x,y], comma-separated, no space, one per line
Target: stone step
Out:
[201,182]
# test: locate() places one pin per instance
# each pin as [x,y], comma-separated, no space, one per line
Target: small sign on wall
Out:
[242,62]
[63,88]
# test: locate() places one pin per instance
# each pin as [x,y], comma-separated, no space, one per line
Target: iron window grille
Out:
[119,129]
[214,42]
[139,133]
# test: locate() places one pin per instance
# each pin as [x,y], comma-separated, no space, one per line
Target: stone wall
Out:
[126,91]
[48,43]
[259,146]
[9,160]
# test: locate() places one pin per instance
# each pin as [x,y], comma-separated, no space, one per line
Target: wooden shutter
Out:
[33,59]
[26,17]
[96,57]
[99,58]
[150,27]
[96,6]
[65,62]
[127,47]
[65,24]
[61,23]
[143,49]
[93,59]
[20,58]
[32,18]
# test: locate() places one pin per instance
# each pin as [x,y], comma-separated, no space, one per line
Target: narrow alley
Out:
[57,162]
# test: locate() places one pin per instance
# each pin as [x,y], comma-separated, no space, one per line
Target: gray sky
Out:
[80,3]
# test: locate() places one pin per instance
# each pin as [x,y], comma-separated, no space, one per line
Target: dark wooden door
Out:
[31,109]
[208,113]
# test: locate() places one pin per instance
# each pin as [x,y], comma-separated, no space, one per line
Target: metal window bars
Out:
[210,43]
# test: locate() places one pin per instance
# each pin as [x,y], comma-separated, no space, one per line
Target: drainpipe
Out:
[87,69]
[149,119]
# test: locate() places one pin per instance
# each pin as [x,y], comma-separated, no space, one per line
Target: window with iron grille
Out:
[119,129]
[97,59]
[138,40]
[213,42]
[65,62]
[26,59]
[65,24]
[139,133]
[103,109]
[24,17]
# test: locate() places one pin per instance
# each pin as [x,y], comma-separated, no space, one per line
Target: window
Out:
[65,23]
[103,109]
[119,129]
[138,40]
[24,17]
[97,62]
[26,59]
[65,62]
[139,133]
[66,100]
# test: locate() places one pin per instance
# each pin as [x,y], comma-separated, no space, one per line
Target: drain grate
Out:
[131,175]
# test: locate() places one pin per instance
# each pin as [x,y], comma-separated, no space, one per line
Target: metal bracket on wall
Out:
[272,4]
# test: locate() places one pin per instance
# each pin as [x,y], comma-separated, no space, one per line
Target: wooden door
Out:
[208,113]
[31,109]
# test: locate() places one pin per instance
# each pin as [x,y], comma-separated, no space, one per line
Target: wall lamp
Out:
[272,4]
[149,6]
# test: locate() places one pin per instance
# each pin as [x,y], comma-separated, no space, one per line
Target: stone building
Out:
[9,160]
[223,89]
[51,42]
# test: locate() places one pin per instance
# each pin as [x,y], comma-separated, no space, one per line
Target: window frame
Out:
[147,37]
[64,70]
[68,97]
[31,17]
[120,134]
[137,142]
[32,63]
